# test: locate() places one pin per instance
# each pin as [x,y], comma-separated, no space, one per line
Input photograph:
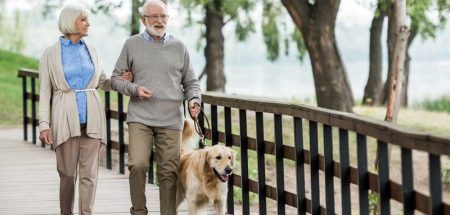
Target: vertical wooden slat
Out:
[33,109]
[244,161]
[383,175]
[108,130]
[214,133]
[300,168]
[279,164]
[314,157]
[24,108]
[229,143]
[407,181]
[434,167]
[151,175]
[121,135]
[345,172]
[185,111]
[363,174]
[201,122]
[329,175]
[261,163]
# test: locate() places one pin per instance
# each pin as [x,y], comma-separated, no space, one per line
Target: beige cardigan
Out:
[62,117]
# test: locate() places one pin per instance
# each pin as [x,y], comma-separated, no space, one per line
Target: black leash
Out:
[197,126]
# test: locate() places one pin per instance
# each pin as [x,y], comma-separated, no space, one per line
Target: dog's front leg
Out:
[219,207]
[192,207]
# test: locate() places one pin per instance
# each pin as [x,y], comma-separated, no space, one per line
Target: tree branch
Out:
[202,74]
[327,10]
[299,11]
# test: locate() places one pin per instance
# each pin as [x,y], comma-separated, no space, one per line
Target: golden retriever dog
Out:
[203,173]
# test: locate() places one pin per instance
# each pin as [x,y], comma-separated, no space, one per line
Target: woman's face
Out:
[82,25]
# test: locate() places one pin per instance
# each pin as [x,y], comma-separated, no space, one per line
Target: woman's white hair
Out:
[68,17]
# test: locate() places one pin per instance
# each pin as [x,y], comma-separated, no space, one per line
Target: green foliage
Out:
[106,7]
[427,16]
[272,18]
[270,29]
[446,177]
[301,47]
[373,203]
[422,21]
[236,11]
[244,28]
[11,86]
[12,33]
[440,104]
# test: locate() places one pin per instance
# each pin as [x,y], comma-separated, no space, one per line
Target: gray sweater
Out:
[165,69]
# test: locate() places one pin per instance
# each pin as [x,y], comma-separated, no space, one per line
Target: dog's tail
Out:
[189,137]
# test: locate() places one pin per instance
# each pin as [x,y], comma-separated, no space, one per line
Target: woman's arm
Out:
[45,94]
[105,83]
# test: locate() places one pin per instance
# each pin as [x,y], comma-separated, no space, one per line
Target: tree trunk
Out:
[135,17]
[391,36]
[374,85]
[317,23]
[398,60]
[214,50]
[404,97]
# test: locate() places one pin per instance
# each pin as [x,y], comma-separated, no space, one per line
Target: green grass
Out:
[11,86]
[441,104]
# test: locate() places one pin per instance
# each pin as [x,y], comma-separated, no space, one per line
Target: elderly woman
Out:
[69,72]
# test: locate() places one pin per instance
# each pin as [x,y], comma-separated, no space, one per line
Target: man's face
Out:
[155,20]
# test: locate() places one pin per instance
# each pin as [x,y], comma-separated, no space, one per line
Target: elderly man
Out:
[163,78]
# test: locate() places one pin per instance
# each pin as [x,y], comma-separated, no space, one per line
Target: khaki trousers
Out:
[83,153]
[167,143]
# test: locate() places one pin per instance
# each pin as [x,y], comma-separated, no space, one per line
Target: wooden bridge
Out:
[292,159]
[29,183]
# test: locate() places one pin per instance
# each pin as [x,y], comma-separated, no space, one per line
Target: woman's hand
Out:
[127,75]
[46,136]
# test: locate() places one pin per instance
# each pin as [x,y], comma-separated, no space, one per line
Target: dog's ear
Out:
[202,161]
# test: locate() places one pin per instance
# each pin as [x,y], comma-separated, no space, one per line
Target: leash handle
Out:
[197,126]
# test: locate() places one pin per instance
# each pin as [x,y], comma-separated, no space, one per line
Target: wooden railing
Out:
[368,182]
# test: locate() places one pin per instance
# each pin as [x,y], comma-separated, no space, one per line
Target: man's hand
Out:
[127,75]
[46,136]
[143,93]
[194,108]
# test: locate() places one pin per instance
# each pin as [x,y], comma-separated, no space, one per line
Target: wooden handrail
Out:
[374,128]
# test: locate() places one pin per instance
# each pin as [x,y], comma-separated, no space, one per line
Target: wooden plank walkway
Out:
[29,184]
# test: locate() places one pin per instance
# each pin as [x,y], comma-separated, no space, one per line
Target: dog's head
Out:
[221,160]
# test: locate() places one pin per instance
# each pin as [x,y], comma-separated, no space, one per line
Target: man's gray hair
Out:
[161,2]
[68,17]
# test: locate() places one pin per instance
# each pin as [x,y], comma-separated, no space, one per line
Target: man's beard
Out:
[154,32]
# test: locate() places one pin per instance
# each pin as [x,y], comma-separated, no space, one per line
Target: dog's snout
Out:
[228,170]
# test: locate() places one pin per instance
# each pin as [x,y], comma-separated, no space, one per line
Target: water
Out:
[428,80]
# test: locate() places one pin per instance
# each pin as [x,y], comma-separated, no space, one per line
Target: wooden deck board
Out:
[29,184]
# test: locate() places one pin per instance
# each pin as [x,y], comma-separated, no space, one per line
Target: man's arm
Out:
[192,91]
[189,82]
[122,64]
